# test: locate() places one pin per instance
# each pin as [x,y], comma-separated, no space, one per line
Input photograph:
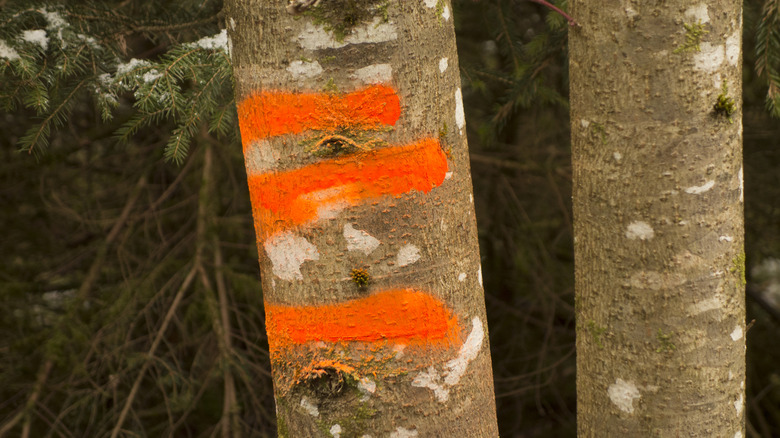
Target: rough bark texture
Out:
[352,123]
[658,209]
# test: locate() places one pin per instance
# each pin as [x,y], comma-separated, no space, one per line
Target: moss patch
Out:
[725,105]
[596,332]
[693,34]
[665,339]
[738,267]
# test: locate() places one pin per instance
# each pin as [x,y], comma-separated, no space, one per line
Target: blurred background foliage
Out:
[128,269]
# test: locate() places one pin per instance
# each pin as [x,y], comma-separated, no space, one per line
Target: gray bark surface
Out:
[659,258]
[427,240]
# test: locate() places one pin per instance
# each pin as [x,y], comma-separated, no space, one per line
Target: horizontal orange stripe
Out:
[404,316]
[271,113]
[284,200]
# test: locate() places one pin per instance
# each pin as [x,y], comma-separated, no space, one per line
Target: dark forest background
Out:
[127,229]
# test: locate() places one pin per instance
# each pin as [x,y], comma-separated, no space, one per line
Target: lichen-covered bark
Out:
[656,143]
[353,131]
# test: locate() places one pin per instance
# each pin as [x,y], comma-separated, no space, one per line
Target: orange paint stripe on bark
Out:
[271,113]
[404,316]
[284,200]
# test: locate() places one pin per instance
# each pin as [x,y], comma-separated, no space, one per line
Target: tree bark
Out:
[659,259]
[353,131]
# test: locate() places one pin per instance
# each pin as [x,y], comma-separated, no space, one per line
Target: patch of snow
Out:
[8,52]
[216,42]
[151,76]
[130,65]
[37,36]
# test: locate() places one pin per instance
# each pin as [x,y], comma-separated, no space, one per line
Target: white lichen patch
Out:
[373,74]
[430,3]
[726,238]
[456,368]
[479,275]
[584,123]
[737,334]
[462,277]
[232,24]
[448,175]
[316,38]
[733,46]
[8,52]
[460,116]
[739,404]
[310,407]
[639,230]
[330,202]
[359,240]
[260,157]
[431,379]
[219,41]
[709,58]
[712,303]
[698,190]
[738,434]
[617,156]
[407,255]
[37,36]
[287,253]
[304,70]
[698,13]
[335,431]
[623,394]
[366,387]
[445,13]
[741,185]
[443,64]
[402,432]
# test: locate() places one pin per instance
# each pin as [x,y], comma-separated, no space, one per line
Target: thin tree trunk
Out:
[660,266]
[352,123]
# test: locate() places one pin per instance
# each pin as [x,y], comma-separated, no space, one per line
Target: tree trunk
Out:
[353,131]
[660,266]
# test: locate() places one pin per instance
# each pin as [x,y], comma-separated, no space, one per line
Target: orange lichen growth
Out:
[284,200]
[271,113]
[404,316]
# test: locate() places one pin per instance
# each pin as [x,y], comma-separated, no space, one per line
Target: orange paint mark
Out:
[271,113]
[288,199]
[402,316]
